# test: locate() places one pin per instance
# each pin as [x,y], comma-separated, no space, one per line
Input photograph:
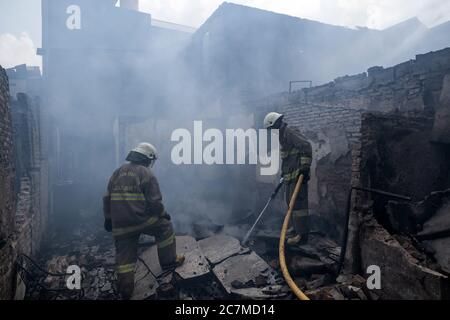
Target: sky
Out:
[20,20]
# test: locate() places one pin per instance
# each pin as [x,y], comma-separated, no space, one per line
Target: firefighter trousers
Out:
[127,253]
[300,214]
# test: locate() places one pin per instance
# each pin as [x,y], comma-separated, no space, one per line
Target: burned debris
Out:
[378,180]
[390,233]
[217,267]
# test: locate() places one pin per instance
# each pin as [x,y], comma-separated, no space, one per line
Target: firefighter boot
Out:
[179,260]
[292,241]
[298,240]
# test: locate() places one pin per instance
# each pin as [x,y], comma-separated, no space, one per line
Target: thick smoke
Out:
[119,81]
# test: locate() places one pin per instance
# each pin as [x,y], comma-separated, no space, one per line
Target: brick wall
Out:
[414,85]
[23,183]
[7,203]
[330,117]
[31,164]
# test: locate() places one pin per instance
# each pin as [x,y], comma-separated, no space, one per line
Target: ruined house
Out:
[241,54]
[378,130]
[256,52]
[334,116]
[107,86]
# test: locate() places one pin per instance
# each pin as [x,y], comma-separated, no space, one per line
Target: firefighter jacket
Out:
[133,201]
[296,154]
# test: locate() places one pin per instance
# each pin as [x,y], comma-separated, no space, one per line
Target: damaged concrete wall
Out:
[7,203]
[399,156]
[395,155]
[331,132]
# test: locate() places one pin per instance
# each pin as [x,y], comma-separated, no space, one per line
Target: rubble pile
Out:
[216,267]
[90,249]
[314,267]
[407,239]
[348,287]
[428,224]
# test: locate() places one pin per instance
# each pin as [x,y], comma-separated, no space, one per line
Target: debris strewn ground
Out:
[216,267]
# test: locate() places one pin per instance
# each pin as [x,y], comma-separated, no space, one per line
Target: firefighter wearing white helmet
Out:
[296,154]
[133,206]
[147,150]
[271,119]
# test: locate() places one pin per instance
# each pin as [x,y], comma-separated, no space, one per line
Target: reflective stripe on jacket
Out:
[133,200]
[296,154]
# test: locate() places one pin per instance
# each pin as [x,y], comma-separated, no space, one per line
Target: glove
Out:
[167,216]
[108,225]
[306,175]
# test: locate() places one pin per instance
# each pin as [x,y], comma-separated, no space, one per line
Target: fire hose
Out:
[295,289]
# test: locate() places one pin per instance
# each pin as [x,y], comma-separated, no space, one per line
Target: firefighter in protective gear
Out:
[133,206]
[296,154]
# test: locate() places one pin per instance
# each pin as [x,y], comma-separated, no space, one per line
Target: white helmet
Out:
[271,118]
[147,150]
